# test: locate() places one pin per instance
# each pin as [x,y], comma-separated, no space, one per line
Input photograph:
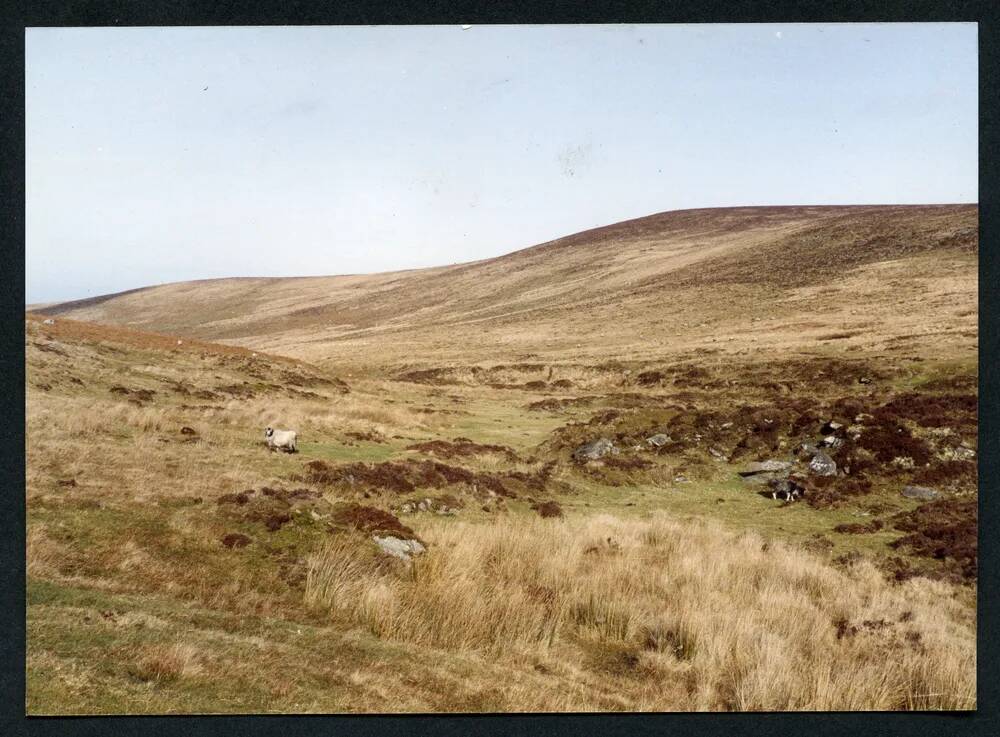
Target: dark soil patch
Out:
[235,540]
[240,498]
[290,496]
[650,378]
[371,436]
[291,378]
[945,530]
[49,348]
[892,440]
[426,376]
[548,509]
[243,391]
[831,491]
[372,520]
[139,395]
[958,382]
[403,477]
[461,448]
[945,473]
[934,410]
[274,522]
[628,463]
[858,528]
[304,394]
[554,404]
[819,544]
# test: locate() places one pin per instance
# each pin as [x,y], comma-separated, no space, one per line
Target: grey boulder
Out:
[831,441]
[756,467]
[399,548]
[807,450]
[822,465]
[658,440]
[595,450]
[920,492]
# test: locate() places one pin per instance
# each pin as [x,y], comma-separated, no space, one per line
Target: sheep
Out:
[285,440]
[788,489]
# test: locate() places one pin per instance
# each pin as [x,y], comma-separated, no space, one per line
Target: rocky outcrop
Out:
[594,450]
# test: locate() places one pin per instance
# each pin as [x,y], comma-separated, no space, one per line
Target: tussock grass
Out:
[526,614]
[746,626]
[165,663]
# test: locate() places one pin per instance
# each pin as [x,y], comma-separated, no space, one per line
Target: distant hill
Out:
[739,279]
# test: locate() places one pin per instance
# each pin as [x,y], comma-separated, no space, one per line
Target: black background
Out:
[18,16]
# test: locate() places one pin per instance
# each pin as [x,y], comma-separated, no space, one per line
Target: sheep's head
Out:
[268,432]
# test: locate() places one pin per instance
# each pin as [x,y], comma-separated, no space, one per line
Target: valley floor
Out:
[175,565]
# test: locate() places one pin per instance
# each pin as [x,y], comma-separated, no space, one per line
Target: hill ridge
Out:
[639,280]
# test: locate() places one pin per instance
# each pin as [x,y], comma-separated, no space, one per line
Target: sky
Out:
[156,155]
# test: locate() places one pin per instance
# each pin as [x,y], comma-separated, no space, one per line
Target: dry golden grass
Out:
[743,625]
[131,587]
[165,663]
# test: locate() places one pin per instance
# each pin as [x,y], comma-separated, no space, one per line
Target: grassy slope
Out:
[130,588]
[636,288]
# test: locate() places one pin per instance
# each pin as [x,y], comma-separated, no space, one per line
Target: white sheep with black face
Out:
[284,440]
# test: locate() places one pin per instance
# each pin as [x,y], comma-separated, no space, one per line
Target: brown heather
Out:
[705,619]
[175,565]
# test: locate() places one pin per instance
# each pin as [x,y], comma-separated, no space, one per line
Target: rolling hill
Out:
[747,280]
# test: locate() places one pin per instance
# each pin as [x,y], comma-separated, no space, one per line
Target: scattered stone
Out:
[678,480]
[823,465]
[396,547]
[920,492]
[864,380]
[716,453]
[658,440]
[807,450]
[831,441]
[726,425]
[964,453]
[594,450]
[904,462]
[770,466]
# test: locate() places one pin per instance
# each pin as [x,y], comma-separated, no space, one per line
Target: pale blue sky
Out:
[166,154]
